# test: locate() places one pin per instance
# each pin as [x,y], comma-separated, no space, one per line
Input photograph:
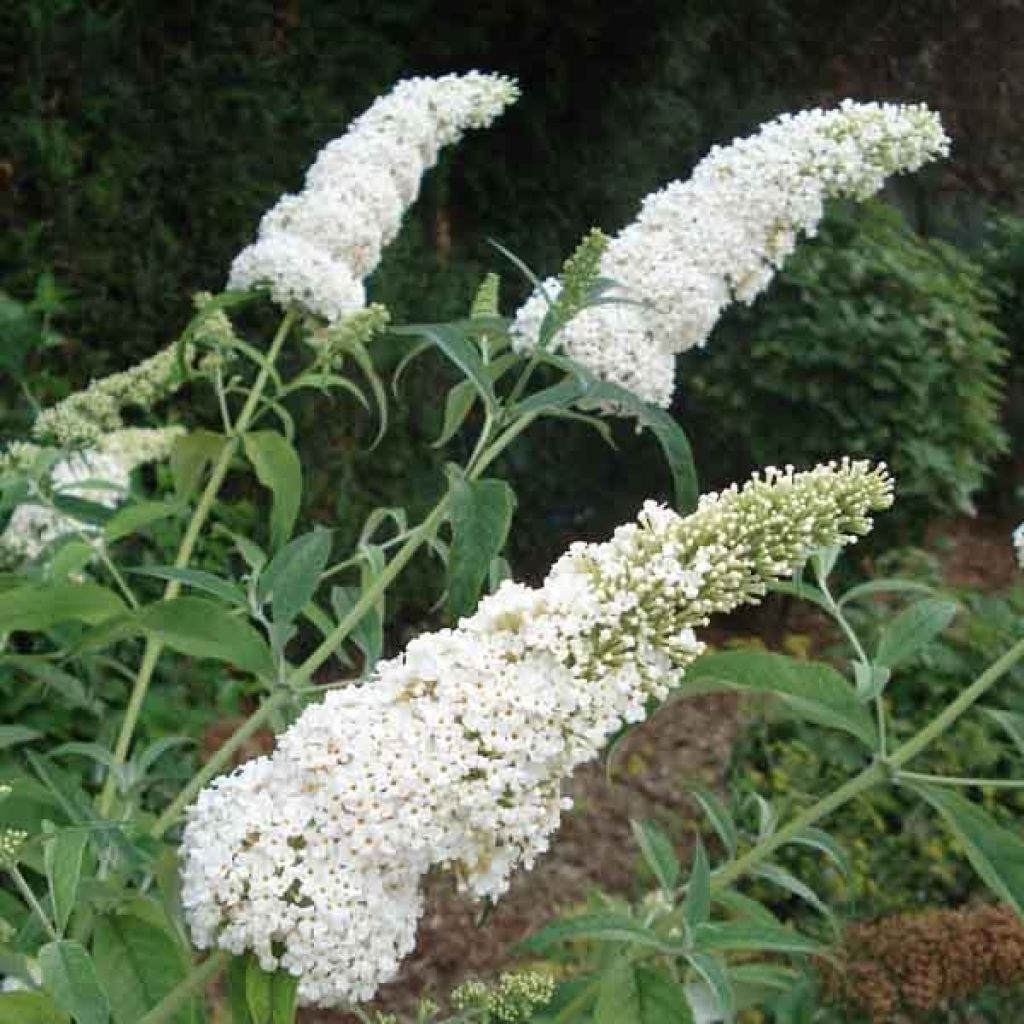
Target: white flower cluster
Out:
[101,475]
[1018,544]
[316,247]
[454,753]
[719,237]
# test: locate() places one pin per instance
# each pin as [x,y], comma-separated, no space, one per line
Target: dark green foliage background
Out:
[141,141]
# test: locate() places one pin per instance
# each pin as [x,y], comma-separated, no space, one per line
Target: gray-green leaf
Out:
[70,977]
[480,517]
[277,467]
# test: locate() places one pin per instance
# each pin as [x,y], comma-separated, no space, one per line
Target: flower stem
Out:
[877,772]
[302,674]
[204,507]
[197,978]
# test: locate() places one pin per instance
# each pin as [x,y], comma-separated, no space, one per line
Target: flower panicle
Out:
[315,248]
[720,237]
[454,753]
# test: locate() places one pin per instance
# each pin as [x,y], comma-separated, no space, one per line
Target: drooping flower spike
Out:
[454,753]
[315,248]
[719,237]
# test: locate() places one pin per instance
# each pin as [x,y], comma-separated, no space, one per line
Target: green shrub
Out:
[873,342]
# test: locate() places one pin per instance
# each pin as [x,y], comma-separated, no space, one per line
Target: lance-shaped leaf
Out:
[996,853]
[63,852]
[605,927]
[277,467]
[293,575]
[668,433]
[70,978]
[203,629]
[139,963]
[454,342]
[481,513]
[37,606]
[658,853]
[629,994]
[913,629]
[810,689]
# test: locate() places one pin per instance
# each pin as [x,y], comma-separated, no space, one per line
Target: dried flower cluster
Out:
[315,248]
[454,753]
[100,474]
[720,237]
[914,963]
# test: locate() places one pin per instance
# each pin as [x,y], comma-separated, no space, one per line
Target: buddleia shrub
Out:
[873,340]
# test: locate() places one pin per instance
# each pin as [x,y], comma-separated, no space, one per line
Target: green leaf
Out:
[457,405]
[914,628]
[719,816]
[605,927]
[668,433]
[812,690]
[13,735]
[55,679]
[995,853]
[190,457]
[134,518]
[293,575]
[258,992]
[640,995]
[70,977]
[1011,722]
[453,341]
[283,998]
[237,969]
[802,592]
[818,839]
[139,963]
[63,853]
[199,579]
[203,629]
[714,974]
[278,468]
[70,559]
[30,1008]
[556,398]
[787,880]
[368,633]
[762,938]
[481,513]
[697,904]
[658,853]
[884,586]
[38,606]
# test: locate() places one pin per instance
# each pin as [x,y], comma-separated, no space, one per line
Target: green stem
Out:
[962,703]
[30,898]
[154,647]
[302,674]
[868,778]
[875,773]
[195,980]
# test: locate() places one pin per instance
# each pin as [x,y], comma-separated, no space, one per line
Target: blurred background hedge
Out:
[141,141]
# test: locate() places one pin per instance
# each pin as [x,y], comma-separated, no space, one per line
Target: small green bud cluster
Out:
[11,842]
[513,1000]
[485,302]
[84,418]
[353,333]
[580,273]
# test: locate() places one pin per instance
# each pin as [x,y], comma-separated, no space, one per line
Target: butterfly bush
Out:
[316,247]
[699,245]
[453,754]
